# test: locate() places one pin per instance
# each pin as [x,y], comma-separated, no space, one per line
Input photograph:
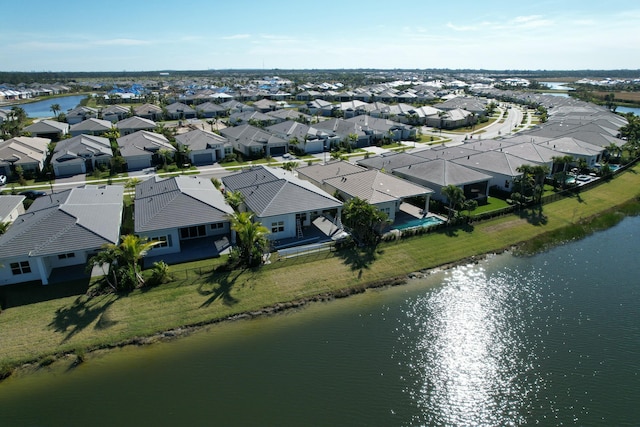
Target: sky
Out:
[140,35]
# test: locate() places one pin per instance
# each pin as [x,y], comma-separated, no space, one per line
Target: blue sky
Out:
[138,35]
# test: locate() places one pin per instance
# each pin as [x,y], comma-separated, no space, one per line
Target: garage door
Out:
[202,159]
[277,151]
[67,169]
[137,163]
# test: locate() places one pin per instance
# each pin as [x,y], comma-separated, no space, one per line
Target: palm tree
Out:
[131,250]
[234,199]
[55,109]
[364,221]
[289,166]
[564,161]
[251,237]
[123,261]
[613,149]
[455,196]
[166,156]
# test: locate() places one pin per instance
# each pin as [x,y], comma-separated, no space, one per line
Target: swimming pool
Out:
[419,222]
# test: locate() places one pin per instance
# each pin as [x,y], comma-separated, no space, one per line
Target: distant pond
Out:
[42,109]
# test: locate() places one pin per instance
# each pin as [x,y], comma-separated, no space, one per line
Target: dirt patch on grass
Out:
[505,225]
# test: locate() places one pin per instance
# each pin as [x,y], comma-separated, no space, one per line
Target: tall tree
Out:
[251,238]
[55,109]
[455,197]
[364,221]
[124,261]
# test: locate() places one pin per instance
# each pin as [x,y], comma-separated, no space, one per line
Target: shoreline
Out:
[76,358]
[596,218]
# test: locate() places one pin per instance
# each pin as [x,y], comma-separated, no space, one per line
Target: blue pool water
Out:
[419,222]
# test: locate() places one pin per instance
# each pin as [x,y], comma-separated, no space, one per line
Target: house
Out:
[318,107]
[80,155]
[501,166]
[255,118]
[62,230]
[440,173]
[80,113]
[473,105]
[115,113]
[385,192]
[11,207]
[50,129]
[302,137]
[149,111]
[345,131]
[91,126]
[383,129]
[27,152]
[204,147]
[210,110]
[254,142]
[266,105]
[180,111]
[283,203]
[140,149]
[233,106]
[134,124]
[285,114]
[456,118]
[179,212]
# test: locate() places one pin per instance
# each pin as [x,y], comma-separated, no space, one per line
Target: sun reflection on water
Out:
[470,363]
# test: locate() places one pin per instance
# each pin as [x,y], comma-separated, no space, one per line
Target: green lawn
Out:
[73,322]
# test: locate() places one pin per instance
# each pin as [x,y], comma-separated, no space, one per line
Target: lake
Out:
[42,109]
[551,339]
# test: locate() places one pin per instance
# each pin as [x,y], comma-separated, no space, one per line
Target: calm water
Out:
[635,111]
[550,340]
[42,109]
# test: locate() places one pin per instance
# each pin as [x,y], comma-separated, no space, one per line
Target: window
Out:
[21,267]
[277,227]
[192,232]
[163,241]
[217,226]
[68,255]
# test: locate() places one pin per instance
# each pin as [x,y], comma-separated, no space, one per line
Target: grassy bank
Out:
[33,332]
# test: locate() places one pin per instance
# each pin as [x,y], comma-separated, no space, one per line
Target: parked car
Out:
[32,194]
[3,179]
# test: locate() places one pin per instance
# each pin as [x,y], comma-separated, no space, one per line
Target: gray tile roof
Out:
[136,122]
[82,218]
[92,125]
[181,201]
[24,149]
[143,142]
[82,146]
[494,162]
[8,203]
[199,139]
[270,192]
[319,173]
[391,161]
[44,126]
[447,153]
[376,187]
[441,173]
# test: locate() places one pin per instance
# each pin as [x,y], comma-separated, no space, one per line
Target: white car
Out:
[3,180]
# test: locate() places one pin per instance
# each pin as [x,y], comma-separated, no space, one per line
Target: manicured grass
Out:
[78,323]
[493,203]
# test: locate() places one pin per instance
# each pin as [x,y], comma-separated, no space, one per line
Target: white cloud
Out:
[236,37]
[121,42]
